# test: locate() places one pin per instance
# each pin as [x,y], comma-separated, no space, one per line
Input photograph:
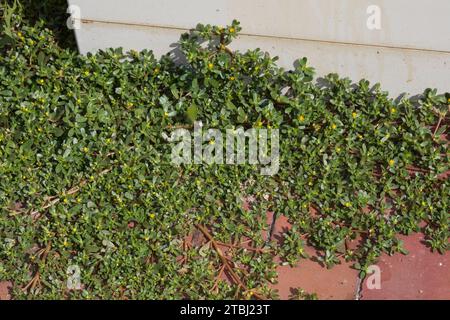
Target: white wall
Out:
[409,53]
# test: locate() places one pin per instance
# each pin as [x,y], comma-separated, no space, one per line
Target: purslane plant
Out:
[86,176]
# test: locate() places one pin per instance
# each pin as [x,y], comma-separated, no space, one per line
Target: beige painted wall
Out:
[409,53]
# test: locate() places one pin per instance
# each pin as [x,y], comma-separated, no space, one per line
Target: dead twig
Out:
[225,261]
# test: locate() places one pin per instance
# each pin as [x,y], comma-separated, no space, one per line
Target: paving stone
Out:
[421,274]
[310,275]
[5,287]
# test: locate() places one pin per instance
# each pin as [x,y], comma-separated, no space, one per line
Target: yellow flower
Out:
[40,81]
[393,110]
[212,142]
[78,101]
[166,114]
[210,65]
[156,71]
[338,149]
[87,73]
[85,150]
[232,78]
[347,204]
[354,115]
[333,126]
[19,34]
[152,215]
[301,118]
[391,162]
[231,30]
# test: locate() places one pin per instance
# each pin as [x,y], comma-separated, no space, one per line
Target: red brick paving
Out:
[421,274]
[5,286]
[338,283]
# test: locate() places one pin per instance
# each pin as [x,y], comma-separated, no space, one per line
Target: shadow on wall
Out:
[54,15]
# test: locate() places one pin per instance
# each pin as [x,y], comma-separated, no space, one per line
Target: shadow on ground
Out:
[54,15]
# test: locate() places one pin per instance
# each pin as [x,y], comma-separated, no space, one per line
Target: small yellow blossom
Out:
[85,150]
[232,78]
[333,126]
[301,118]
[152,215]
[338,149]
[156,71]
[231,30]
[354,115]
[347,204]
[393,110]
[210,65]
[391,162]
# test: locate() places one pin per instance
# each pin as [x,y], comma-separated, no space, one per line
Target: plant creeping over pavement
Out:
[87,181]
